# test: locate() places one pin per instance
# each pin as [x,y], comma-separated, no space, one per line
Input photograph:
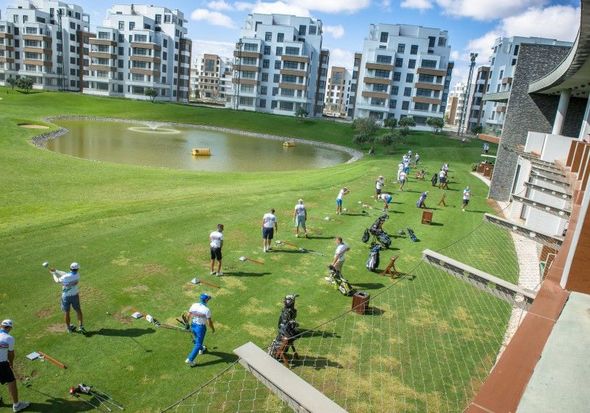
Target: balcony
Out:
[102,55]
[38,38]
[496,97]
[429,86]
[6,35]
[293,86]
[292,72]
[376,81]
[145,72]
[240,81]
[34,62]
[40,50]
[501,109]
[141,58]
[146,45]
[6,59]
[246,68]
[378,66]
[293,58]
[432,72]
[423,99]
[254,55]
[507,81]
[102,68]
[378,95]
[7,48]
[103,42]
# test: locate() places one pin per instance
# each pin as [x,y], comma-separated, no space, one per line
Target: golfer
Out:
[379,183]
[269,226]
[300,216]
[70,295]
[341,194]
[6,364]
[341,249]
[386,198]
[200,318]
[466,198]
[403,177]
[216,243]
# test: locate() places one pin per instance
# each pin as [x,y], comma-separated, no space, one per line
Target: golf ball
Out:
[45,264]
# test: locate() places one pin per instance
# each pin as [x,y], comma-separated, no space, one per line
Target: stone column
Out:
[585,128]
[564,100]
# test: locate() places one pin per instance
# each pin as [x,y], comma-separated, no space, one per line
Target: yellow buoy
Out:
[201,152]
[289,144]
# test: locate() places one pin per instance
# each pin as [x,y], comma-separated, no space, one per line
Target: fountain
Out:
[153,128]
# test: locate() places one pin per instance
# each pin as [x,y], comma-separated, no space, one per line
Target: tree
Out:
[477,129]
[390,123]
[407,122]
[436,124]
[366,129]
[301,113]
[152,94]
[11,82]
[389,138]
[25,84]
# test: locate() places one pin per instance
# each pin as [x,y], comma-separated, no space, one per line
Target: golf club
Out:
[244,259]
[279,242]
[197,281]
[103,398]
[150,319]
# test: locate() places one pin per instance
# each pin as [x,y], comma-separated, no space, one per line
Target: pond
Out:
[162,145]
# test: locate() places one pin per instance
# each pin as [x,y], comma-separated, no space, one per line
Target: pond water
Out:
[168,146]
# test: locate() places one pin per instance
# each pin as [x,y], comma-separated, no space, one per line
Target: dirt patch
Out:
[495,206]
[285,281]
[233,283]
[56,328]
[313,309]
[257,331]
[124,318]
[136,289]
[154,269]
[30,126]
[254,306]
[45,312]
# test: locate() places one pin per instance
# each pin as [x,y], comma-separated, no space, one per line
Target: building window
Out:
[399,62]
[280,37]
[428,63]
[394,90]
[414,49]
[382,74]
[431,41]
[409,77]
[302,30]
[277,64]
[516,47]
[131,25]
[401,48]
[397,76]
[312,29]
[279,51]
[262,103]
[276,78]
[513,62]
[408,91]
[392,104]
[265,64]
[248,47]
[293,51]
[264,77]
[383,59]
[405,105]
[158,18]
[266,50]
[421,106]
[384,37]
[268,37]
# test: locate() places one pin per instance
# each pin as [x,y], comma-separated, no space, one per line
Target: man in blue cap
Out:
[200,316]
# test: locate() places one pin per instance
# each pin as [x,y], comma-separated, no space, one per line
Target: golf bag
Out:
[412,235]
[373,261]
[289,311]
[366,236]
[378,233]
[284,340]
[340,282]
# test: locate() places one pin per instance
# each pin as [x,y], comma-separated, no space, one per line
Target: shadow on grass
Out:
[320,236]
[123,332]
[369,286]
[57,404]
[221,358]
[303,332]
[374,311]
[355,214]
[245,274]
[317,363]
[436,224]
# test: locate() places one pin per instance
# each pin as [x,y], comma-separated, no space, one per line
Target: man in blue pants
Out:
[200,318]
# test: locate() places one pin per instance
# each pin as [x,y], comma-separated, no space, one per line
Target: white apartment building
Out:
[46,41]
[503,62]
[280,65]
[140,47]
[404,71]
[208,79]
[476,110]
[455,103]
[338,92]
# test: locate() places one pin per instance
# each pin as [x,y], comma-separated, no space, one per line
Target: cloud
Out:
[333,6]
[335,31]
[213,17]
[416,4]
[342,57]
[244,6]
[223,49]
[485,9]
[279,7]
[454,55]
[219,5]
[386,5]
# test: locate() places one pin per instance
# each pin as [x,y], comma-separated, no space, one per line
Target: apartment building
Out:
[455,103]
[338,92]
[280,66]
[502,65]
[476,105]
[46,41]
[404,71]
[207,78]
[137,48]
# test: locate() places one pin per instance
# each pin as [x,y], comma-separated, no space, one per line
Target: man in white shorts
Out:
[200,318]
[466,198]
[300,216]
[269,227]
[70,295]
[339,257]
[216,243]
[402,180]
[379,183]
[6,363]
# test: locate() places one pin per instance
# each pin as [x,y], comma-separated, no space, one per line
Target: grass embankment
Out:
[140,235]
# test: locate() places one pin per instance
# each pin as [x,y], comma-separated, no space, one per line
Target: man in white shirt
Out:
[339,197]
[6,364]
[70,294]
[200,318]
[216,243]
[341,249]
[269,226]
[300,216]
[379,183]
[466,198]
[402,180]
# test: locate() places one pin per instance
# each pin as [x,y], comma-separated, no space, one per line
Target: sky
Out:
[473,25]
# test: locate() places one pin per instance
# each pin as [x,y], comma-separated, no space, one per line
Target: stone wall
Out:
[534,112]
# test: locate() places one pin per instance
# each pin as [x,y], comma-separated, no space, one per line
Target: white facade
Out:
[208,79]
[338,92]
[279,65]
[453,111]
[46,41]
[140,47]
[405,71]
[502,63]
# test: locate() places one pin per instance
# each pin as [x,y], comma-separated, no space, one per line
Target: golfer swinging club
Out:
[70,295]
[200,317]
[6,364]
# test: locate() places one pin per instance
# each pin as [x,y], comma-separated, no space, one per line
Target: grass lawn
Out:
[140,235]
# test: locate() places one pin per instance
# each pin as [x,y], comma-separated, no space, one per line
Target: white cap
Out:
[6,323]
[74,266]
